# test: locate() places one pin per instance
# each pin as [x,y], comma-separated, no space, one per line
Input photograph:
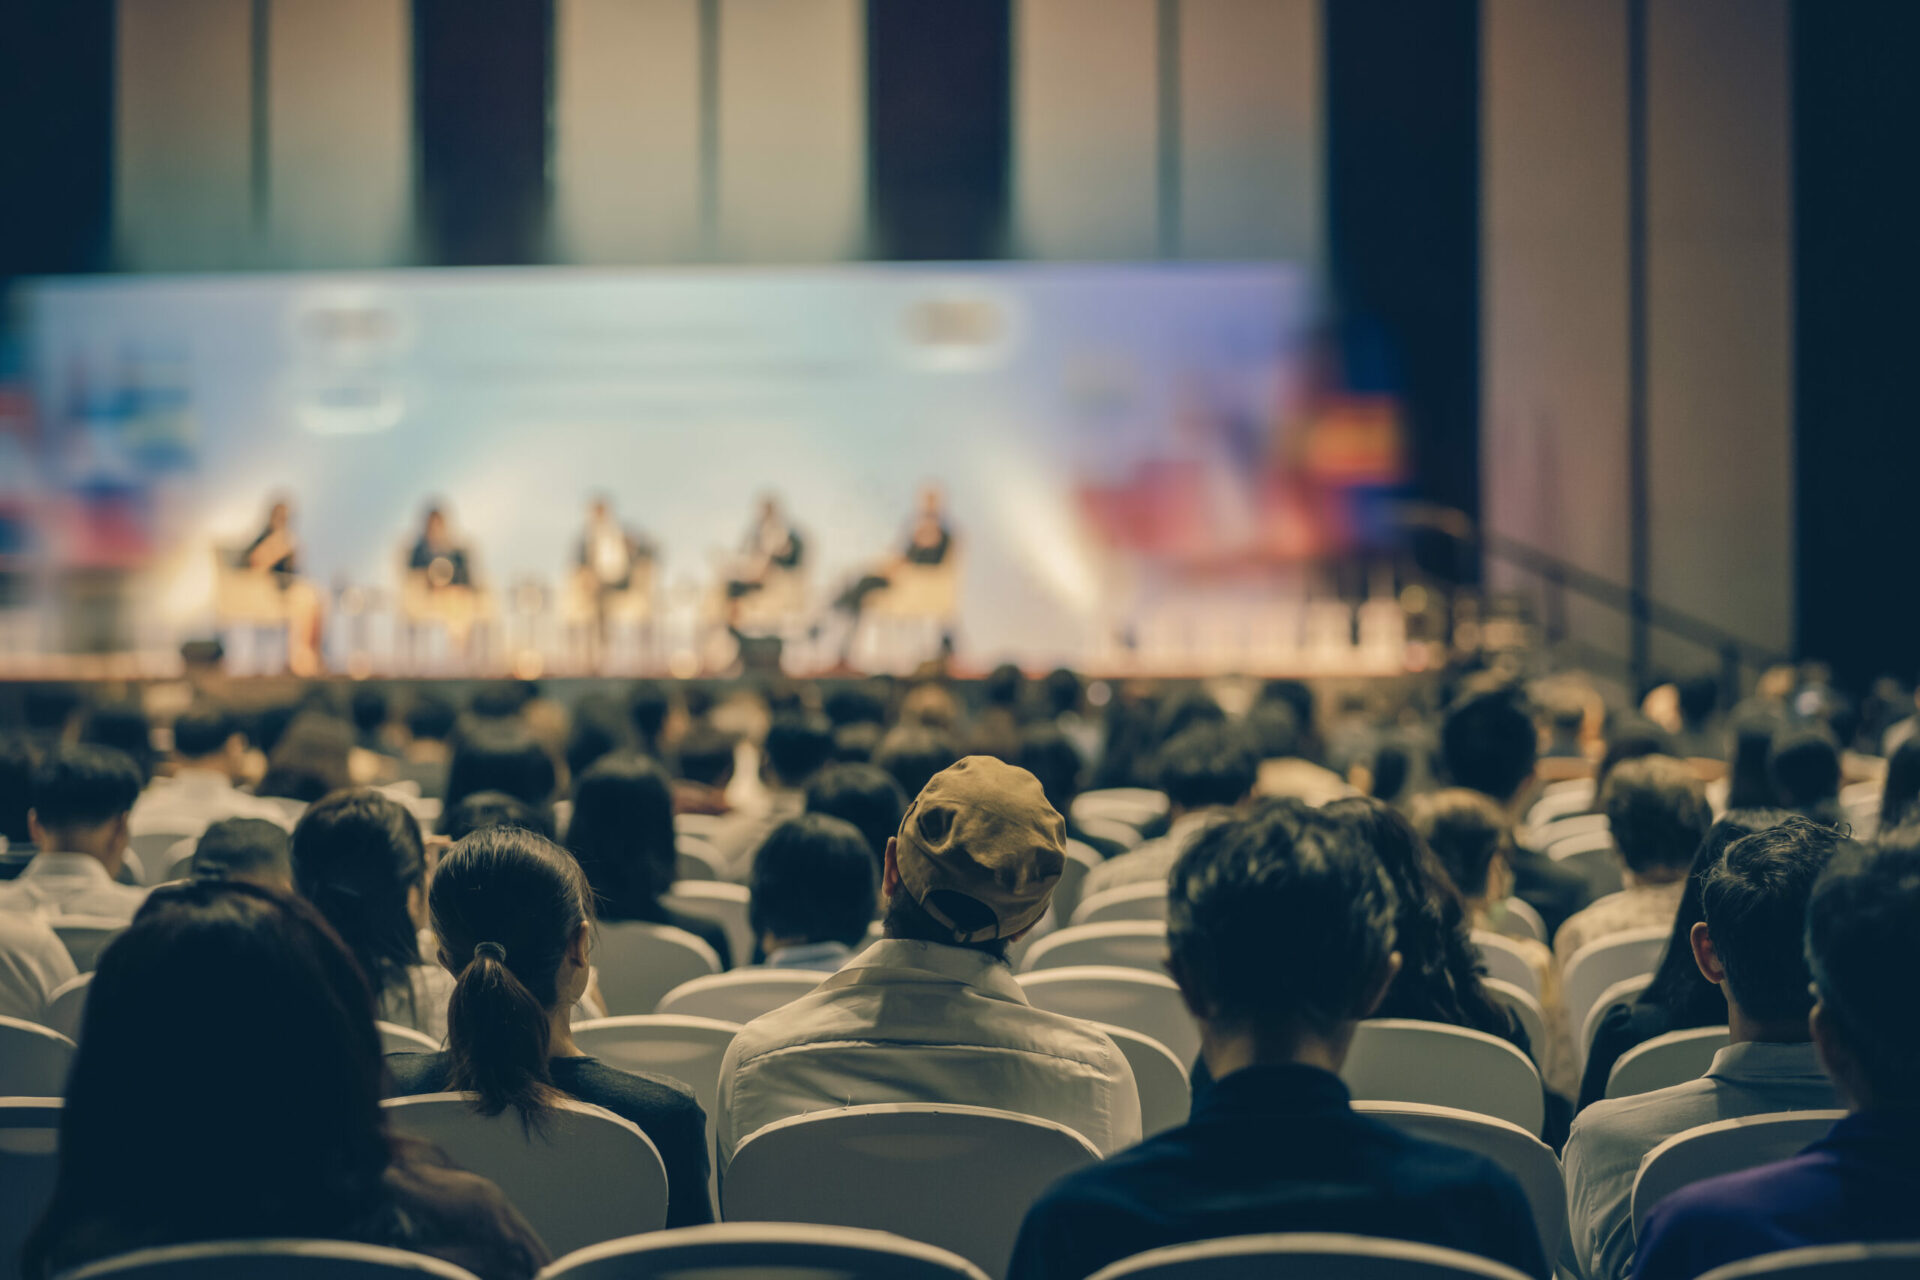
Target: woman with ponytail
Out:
[512,916]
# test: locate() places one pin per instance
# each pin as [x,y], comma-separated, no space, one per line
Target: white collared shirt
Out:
[193,800]
[70,884]
[738,835]
[33,961]
[1610,1138]
[1153,859]
[921,1022]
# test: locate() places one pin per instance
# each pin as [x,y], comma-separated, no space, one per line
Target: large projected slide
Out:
[1104,436]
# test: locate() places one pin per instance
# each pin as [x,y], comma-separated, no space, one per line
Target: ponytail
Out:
[497,1038]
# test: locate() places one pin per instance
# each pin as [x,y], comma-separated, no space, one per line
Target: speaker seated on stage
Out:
[260,585]
[439,582]
[613,568]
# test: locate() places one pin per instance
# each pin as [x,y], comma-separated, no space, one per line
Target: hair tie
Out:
[493,949]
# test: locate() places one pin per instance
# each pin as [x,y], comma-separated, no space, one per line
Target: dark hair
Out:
[913,754]
[1063,691]
[856,743]
[866,796]
[1657,812]
[298,1150]
[1863,928]
[239,848]
[853,704]
[598,729]
[367,706]
[1631,737]
[648,706]
[622,833]
[431,717]
[1755,904]
[527,897]
[1678,986]
[500,756]
[1900,793]
[124,727]
[1749,785]
[1280,917]
[83,786]
[1488,744]
[903,917]
[1805,768]
[1465,829]
[705,755]
[1184,710]
[814,879]
[797,745]
[356,855]
[1275,728]
[1697,695]
[1439,978]
[1003,686]
[202,731]
[493,809]
[310,758]
[1208,764]
[1050,756]
[18,761]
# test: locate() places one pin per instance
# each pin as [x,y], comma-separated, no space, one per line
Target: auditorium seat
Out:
[1401,1060]
[1592,854]
[730,1250]
[585,1176]
[1521,912]
[1081,858]
[1674,1058]
[1306,1256]
[271,1260]
[29,1163]
[1533,1018]
[689,1050]
[395,1038]
[1147,901]
[155,851]
[67,1005]
[697,859]
[1506,961]
[961,1178]
[724,904]
[33,1060]
[1149,1003]
[1634,953]
[1133,944]
[86,937]
[638,963]
[1827,1262]
[1138,807]
[1626,991]
[1166,1091]
[1530,1161]
[739,996]
[1725,1146]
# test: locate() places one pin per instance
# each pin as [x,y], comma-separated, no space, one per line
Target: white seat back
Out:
[395,1038]
[1521,912]
[730,1250]
[270,1260]
[1674,1058]
[1145,901]
[1725,1146]
[1592,854]
[67,1006]
[1131,944]
[1400,1060]
[1080,859]
[180,861]
[1624,992]
[1124,834]
[1135,806]
[638,963]
[29,1162]
[1533,1018]
[1598,965]
[961,1178]
[724,904]
[33,1060]
[689,1050]
[1306,1256]
[697,859]
[86,937]
[1148,1003]
[586,1176]
[155,849]
[1530,1161]
[1827,1262]
[740,996]
[1507,961]
[1166,1091]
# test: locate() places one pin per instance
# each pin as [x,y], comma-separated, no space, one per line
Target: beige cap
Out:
[981,849]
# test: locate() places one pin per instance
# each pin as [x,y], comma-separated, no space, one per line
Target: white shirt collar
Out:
[54,864]
[962,965]
[1765,1060]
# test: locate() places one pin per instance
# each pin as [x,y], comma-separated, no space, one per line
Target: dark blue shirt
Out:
[1860,1183]
[1276,1148]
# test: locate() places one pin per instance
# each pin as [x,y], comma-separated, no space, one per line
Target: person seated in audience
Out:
[931,1012]
[1900,792]
[1805,768]
[250,849]
[371,713]
[1860,1183]
[703,767]
[1207,771]
[1488,744]
[1280,933]
[1749,784]
[358,857]
[424,754]
[649,708]
[33,964]
[171,1137]
[1658,814]
[913,753]
[312,758]
[18,760]
[1050,755]
[500,755]
[622,833]
[814,888]
[1284,770]
[1749,945]
[512,918]
[598,728]
[996,729]
[864,795]
[82,796]
[123,726]
[493,809]
[209,754]
[798,745]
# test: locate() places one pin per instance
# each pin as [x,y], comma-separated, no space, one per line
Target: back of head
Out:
[18,760]
[1699,696]
[862,794]
[913,754]
[507,907]
[1208,765]
[1004,686]
[622,832]
[1755,904]
[1276,729]
[493,809]
[310,758]
[705,755]
[1183,710]
[368,708]
[430,718]
[598,729]
[1063,690]
[1805,768]
[81,787]
[1631,737]
[124,727]
[205,1165]
[1678,985]
[500,756]
[856,743]
[797,746]
[814,880]
[1280,921]
[1900,794]
[855,704]
[1466,830]
[1050,756]
[1749,785]
[202,731]
[356,857]
[1488,744]
[250,849]
[1863,944]
[649,703]
[1658,813]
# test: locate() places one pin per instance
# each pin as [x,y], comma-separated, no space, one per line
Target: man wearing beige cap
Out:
[931,1012]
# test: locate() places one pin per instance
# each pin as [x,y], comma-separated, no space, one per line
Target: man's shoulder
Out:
[1661,1112]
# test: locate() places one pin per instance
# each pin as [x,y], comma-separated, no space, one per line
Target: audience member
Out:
[513,922]
[996,730]
[864,795]
[1749,785]
[1805,768]
[1280,928]
[1658,814]
[250,849]
[81,798]
[33,964]
[813,898]
[649,705]
[1050,755]
[1900,792]
[358,858]
[1749,945]
[18,760]
[124,727]
[798,746]
[856,743]
[622,833]
[1285,771]
[598,728]
[209,752]
[424,755]
[493,809]
[1206,772]
[931,1013]
[500,755]
[703,763]
[293,1145]
[1065,696]
[1861,1181]
[310,759]
[368,708]
[913,754]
